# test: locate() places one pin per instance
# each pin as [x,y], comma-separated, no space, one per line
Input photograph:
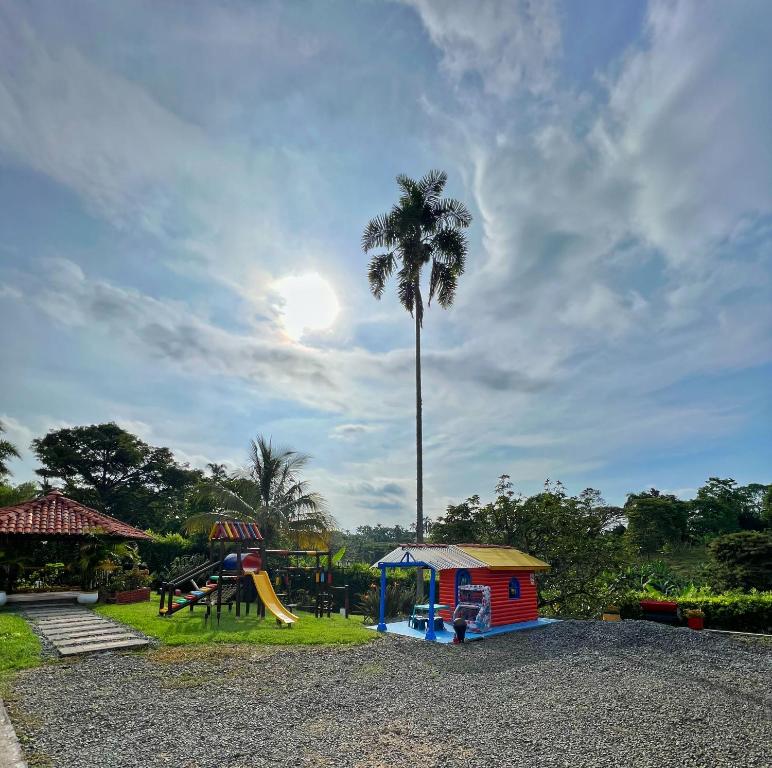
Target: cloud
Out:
[509,44]
[351,431]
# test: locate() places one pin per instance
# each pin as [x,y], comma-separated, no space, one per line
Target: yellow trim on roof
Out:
[506,557]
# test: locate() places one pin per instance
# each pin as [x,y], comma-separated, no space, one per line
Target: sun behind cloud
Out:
[308,303]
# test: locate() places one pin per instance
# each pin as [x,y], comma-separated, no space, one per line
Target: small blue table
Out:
[420,616]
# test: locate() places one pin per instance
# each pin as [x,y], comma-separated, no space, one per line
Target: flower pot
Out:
[3,598]
[139,595]
[88,598]
[695,622]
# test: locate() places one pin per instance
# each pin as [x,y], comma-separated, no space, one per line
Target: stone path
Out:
[73,629]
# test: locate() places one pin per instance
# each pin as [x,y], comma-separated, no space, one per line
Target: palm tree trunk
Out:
[419,516]
[419,519]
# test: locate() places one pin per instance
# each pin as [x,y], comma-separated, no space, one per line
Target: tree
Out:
[464,522]
[422,228]
[766,507]
[742,560]
[752,515]
[10,494]
[655,519]
[270,492]
[7,451]
[574,534]
[717,508]
[108,468]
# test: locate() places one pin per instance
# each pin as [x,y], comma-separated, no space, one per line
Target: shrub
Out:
[742,560]
[733,611]
[399,602]
[166,547]
[360,577]
[180,565]
[736,612]
[125,581]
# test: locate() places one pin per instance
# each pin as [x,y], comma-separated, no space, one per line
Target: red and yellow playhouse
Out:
[508,573]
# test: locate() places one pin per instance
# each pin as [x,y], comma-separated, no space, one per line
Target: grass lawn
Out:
[185,628]
[19,648]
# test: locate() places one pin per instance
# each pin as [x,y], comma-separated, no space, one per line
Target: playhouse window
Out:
[463,577]
[514,588]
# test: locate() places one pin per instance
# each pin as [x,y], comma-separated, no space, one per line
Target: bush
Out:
[180,565]
[733,611]
[742,561]
[166,547]
[399,602]
[736,612]
[360,577]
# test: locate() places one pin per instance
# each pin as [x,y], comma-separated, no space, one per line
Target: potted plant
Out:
[98,556]
[611,613]
[695,618]
[130,586]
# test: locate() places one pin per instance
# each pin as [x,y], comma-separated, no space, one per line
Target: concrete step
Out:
[40,616]
[67,642]
[72,650]
[52,622]
[86,632]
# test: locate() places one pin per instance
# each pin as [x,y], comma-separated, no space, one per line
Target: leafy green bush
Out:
[361,577]
[180,565]
[733,611]
[399,602]
[165,547]
[742,560]
[750,612]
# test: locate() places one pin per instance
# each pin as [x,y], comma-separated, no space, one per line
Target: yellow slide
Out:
[268,596]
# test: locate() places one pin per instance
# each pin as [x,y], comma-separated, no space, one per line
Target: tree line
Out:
[109,469]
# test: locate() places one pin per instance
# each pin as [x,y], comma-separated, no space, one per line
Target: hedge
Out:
[360,577]
[165,547]
[751,612]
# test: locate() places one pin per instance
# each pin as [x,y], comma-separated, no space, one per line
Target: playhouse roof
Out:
[56,515]
[449,556]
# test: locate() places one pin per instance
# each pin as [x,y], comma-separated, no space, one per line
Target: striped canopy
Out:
[233,530]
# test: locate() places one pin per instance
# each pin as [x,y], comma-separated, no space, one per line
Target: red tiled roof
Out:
[56,515]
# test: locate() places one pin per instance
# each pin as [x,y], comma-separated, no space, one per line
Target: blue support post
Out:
[430,629]
[382,607]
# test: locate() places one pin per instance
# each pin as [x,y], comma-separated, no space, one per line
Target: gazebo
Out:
[54,517]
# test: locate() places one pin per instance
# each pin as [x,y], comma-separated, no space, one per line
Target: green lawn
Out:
[19,648]
[185,628]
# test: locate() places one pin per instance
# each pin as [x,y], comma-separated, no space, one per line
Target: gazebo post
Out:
[382,607]
[430,635]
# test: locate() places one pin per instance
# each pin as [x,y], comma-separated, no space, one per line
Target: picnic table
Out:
[420,616]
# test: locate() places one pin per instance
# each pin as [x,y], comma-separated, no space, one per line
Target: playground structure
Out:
[492,587]
[232,578]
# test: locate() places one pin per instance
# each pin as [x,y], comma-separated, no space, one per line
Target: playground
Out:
[572,693]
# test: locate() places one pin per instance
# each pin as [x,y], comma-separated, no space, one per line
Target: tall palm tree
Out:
[7,451]
[422,228]
[270,492]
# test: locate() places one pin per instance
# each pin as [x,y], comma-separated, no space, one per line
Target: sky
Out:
[183,188]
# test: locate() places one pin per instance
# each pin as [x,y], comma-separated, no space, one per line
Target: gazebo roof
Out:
[56,515]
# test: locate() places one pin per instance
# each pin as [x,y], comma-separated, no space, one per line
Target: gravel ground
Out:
[571,694]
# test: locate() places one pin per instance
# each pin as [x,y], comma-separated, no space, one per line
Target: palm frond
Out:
[406,292]
[379,233]
[442,283]
[381,268]
[432,184]
[452,212]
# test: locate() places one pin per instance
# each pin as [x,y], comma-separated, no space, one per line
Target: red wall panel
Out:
[504,610]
